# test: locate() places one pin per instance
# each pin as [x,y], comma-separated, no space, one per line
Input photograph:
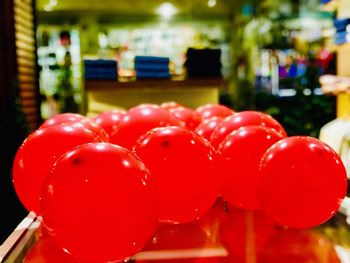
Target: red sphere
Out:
[207,127]
[61,118]
[90,125]
[76,120]
[139,120]
[38,153]
[99,203]
[303,182]
[170,105]
[241,119]
[190,117]
[241,152]
[214,110]
[109,120]
[184,167]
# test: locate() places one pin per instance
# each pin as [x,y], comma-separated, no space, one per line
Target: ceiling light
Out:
[166,10]
[48,8]
[50,5]
[211,3]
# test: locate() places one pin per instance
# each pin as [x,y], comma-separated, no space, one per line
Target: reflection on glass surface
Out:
[235,236]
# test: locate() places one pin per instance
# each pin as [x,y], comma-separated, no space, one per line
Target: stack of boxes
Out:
[152,67]
[342,26]
[100,69]
[203,63]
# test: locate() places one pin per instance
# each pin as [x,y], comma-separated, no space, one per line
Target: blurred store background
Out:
[269,56]
[87,56]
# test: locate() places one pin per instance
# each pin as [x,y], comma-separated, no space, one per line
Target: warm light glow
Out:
[211,3]
[102,40]
[50,5]
[167,10]
[48,8]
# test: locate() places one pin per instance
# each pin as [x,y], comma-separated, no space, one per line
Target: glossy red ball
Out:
[61,118]
[139,120]
[241,119]
[214,110]
[99,203]
[240,157]
[190,117]
[303,182]
[170,105]
[183,165]
[109,120]
[91,126]
[76,120]
[38,153]
[207,127]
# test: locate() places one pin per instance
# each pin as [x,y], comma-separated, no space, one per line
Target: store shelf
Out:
[154,84]
[117,94]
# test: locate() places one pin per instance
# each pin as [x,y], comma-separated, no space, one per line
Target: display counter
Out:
[221,236]
[105,94]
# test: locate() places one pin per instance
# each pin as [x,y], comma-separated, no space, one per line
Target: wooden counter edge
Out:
[16,245]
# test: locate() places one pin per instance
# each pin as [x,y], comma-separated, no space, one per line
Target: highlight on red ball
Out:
[240,119]
[140,119]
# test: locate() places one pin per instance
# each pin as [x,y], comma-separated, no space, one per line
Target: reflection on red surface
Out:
[45,250]
[211,221]
[248,237]
[177,237]
[244,234]
[252,237]
[187,260]
[186,237]
[306,246]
